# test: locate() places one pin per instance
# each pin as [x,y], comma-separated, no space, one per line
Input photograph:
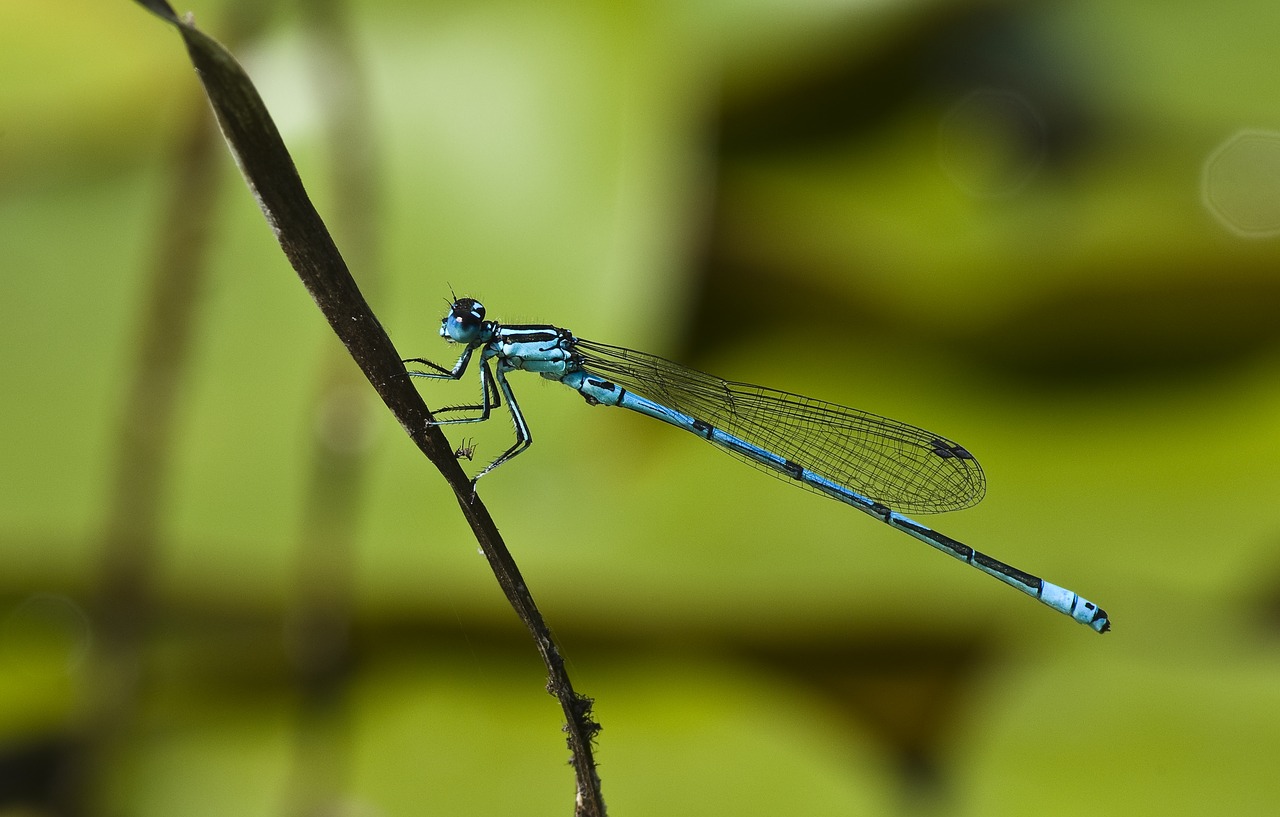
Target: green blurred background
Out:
[230,585]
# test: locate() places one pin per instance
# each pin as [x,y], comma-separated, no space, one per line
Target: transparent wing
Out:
[907,468]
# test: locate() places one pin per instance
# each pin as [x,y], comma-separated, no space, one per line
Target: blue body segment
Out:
[872,463]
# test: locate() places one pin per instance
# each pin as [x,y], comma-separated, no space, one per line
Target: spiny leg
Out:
[523,438]
[488,392]
[489,395]
[441,373]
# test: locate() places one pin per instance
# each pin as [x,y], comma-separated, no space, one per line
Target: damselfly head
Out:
[464,321]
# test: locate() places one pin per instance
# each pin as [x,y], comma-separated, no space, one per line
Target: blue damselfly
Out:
[875,464]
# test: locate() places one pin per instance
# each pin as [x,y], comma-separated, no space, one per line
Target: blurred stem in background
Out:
[320,642]
[123,600]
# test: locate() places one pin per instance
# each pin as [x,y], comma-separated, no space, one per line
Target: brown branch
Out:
[271,175]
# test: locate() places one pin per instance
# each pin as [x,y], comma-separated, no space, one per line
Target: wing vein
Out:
[902,466]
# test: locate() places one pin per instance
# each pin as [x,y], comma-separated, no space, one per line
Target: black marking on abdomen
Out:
[959,549]
[997,566]
[1099,613]
[703,428]
[793,469]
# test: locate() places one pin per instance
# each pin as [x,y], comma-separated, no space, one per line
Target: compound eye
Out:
[467,312]
[464,320]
